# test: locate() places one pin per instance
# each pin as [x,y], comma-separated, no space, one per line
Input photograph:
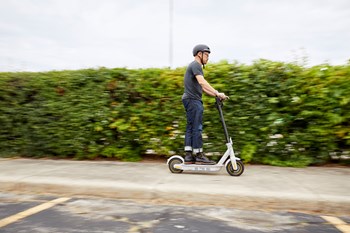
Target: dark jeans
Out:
[194,113]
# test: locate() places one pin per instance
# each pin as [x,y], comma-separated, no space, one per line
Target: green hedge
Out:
[278,113]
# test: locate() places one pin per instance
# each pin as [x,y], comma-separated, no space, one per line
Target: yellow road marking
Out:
[31,211]
[338,223]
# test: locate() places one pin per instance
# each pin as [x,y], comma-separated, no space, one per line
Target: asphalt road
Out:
[74,214]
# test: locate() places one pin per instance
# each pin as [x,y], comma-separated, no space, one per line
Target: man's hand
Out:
[222,96]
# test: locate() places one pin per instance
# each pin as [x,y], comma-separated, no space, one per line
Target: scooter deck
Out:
[199,167]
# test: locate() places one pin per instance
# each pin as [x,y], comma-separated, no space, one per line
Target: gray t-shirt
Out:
[193,90]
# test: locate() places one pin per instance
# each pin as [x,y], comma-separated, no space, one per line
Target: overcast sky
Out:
[42,35]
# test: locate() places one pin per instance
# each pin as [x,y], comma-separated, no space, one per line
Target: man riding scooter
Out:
[194,85]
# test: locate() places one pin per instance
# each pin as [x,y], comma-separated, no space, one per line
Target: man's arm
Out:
[207,88]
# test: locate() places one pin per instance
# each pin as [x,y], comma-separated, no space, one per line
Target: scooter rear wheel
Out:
[172,162]
[232,172]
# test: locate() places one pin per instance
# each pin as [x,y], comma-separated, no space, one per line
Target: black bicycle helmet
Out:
[200,48]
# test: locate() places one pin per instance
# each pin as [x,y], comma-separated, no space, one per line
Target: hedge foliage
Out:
[278,113]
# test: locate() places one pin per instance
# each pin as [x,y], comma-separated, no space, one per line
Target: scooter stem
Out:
[219,105]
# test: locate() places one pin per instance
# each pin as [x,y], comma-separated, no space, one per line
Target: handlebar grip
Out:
[219,101]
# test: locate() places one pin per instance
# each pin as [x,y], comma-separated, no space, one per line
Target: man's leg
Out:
[197,140]
[189,130]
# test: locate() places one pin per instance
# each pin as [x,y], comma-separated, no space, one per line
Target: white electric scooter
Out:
[234,165]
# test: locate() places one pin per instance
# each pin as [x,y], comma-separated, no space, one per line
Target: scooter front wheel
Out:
[172,163]
[232,172]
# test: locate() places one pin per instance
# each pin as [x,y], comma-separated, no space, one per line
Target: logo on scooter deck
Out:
[204,168]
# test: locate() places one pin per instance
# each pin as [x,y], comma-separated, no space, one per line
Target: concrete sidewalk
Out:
[313,189]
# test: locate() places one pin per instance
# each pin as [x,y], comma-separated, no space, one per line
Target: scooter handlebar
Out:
[219,100]
[221,96]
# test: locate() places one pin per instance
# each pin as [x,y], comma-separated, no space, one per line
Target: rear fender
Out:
[175,156]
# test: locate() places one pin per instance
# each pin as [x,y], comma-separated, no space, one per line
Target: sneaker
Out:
[189,158]
[202,159]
